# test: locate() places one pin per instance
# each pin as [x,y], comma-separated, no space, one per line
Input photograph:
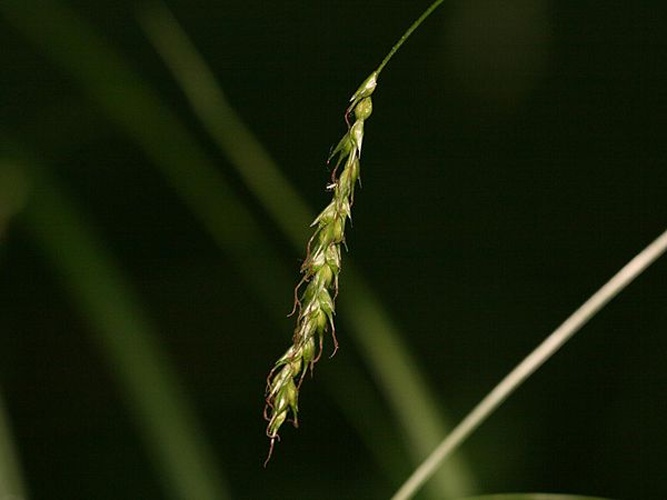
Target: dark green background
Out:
[514,161]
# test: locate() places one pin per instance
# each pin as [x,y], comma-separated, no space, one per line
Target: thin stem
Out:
[531,363]
[407,34]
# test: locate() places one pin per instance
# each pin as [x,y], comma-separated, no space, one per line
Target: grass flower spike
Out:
[315,306]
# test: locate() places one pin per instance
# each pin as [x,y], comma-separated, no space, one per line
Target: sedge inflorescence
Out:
[315,295]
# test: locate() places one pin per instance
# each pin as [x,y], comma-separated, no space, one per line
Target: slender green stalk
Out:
[531,363]
[407,34]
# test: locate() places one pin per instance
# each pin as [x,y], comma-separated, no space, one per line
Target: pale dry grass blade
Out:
[530,364]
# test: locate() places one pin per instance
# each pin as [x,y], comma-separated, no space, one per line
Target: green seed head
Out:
[326,216]
[366,88]
[357,135]
[311,292]
[343,206]
[336,230]
[354,167]
[346,183]
[279,381]
[326,302]
[277,419]
[343,148]
[309,351]
[332,257]
[364,109]
[325,274]
[320,270]
[322,319]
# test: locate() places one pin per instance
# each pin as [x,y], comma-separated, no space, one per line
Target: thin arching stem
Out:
[407,34]
[531,363]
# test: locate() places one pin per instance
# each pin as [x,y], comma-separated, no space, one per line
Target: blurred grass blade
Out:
[225,126]
[11,481]
[378,338]
[13,193]
[126,336]
[108,80]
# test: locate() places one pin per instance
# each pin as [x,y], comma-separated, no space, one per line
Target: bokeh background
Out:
[515,160]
